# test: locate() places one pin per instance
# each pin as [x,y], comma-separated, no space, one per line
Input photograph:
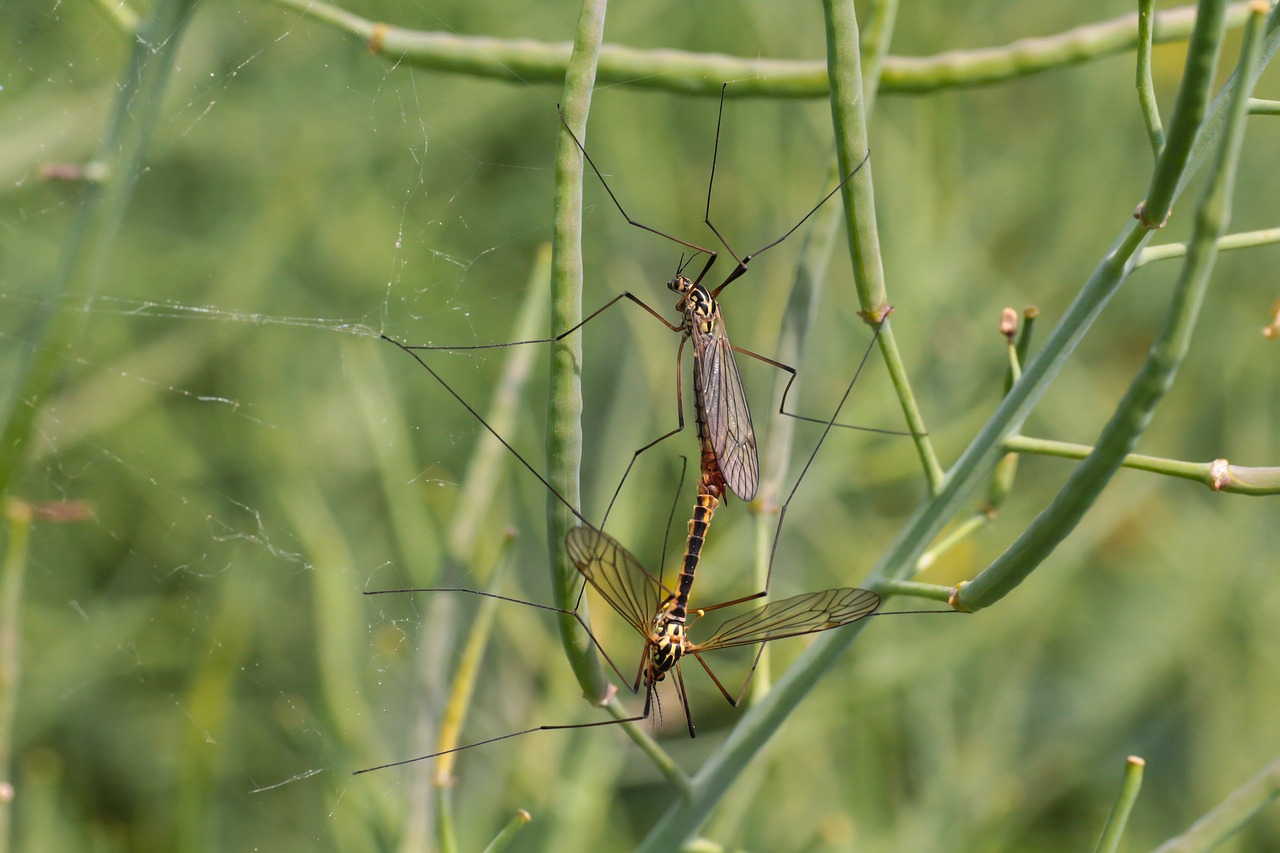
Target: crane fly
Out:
[720,402]
[661,615]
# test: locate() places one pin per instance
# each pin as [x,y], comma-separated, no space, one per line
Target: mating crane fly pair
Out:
[728,461]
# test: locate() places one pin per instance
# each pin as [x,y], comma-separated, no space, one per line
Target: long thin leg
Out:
[551,608]
[491,430]
[624,295]
[720,686]
[711,255]
[782,410]
[659,439]
[671,519]
[644,715]
[747,258]
[637,718]
[683,696]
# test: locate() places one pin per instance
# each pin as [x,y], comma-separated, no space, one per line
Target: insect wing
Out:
[791,617]
[723,406]
[616,575]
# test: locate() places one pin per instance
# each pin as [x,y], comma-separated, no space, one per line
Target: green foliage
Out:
[197,666]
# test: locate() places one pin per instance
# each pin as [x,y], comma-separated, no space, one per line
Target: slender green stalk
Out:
[712,782]
[446,834]
[525,61]
[850,125]
[1118,819]
[1006,470]
[564,415]
[503,839]
[1188,111]
[481,480]
[848,118]
[1235,811]
[564,427]
[660,758]
[801,311]
[459,704]
[933,592]
[1212,131]
[19,516]
[1029,316]
[1146,89]
[1157,374]
[1219,475]
[762,679]
[1035,55]
[1261,107]
[1242,240]
[876,38]
[464,679]
[87,252]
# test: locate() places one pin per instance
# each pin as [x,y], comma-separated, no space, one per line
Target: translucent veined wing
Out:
[722,404]
[791,617]
[617,576]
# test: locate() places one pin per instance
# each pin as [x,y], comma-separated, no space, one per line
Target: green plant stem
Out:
[1243,240]
[876,38]
[1005,471]
[481,480]
[1146,89]
[1118,819]
[660,758]
[1260,107]
[1029,316]
[564,415]
[460,692]
[527,61]
[464,679]
[1156,376]
[504,838]
[1188,112]
[764,716]
[19,516]
[1219,475]
[1235,811]
[712,782]
[849,122]
[933,592]
[797,320]
[87,252]
[446,834]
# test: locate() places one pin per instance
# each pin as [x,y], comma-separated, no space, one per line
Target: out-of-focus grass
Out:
[203,639]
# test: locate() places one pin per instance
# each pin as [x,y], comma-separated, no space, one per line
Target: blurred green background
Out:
[199,669]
